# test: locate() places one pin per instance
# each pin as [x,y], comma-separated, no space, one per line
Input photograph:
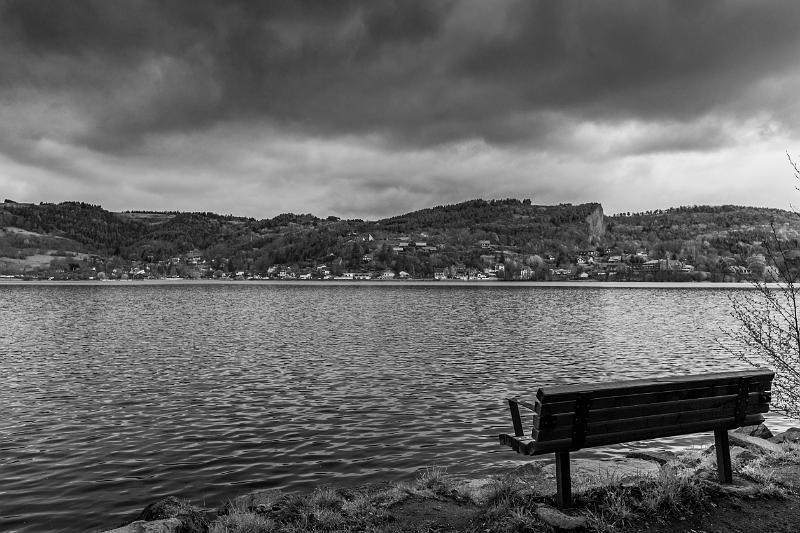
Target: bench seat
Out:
[572,417]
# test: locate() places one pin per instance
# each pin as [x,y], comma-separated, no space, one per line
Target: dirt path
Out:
[733,515]
[724,514]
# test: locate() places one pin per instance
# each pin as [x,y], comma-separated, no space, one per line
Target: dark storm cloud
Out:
[417,72]
[640,59]
[139,67]
[370,107]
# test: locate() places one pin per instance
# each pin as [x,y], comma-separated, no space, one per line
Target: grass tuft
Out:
[327,519]
[519,519]
[585,481]
[326,497]
[435,479]
[673,491]
[242,520]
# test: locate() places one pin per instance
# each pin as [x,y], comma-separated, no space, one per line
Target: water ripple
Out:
[115,395]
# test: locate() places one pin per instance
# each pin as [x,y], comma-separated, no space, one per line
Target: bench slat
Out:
[548,407]
[528,446]
[624,425]
[599,390]
[562,420]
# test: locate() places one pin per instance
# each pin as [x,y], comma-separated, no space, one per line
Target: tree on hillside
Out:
[768,321]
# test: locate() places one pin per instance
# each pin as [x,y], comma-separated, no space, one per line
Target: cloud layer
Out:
[373,108]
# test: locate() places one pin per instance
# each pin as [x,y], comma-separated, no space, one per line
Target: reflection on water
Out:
[115,395]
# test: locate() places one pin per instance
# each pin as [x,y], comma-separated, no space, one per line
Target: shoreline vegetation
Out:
[653,492]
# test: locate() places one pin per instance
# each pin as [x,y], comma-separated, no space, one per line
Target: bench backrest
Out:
[577,416]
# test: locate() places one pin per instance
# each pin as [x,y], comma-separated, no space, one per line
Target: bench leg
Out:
[723,455]
[563,482]
[515,418]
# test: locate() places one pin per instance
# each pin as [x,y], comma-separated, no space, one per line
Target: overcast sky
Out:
[375,108]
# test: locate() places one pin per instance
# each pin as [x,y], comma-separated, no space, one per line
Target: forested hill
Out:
[134,235]
[477,234]
[718,230]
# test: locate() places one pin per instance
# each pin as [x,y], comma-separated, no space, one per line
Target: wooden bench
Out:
[568,418]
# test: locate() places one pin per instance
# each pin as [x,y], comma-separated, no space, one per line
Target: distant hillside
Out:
[703,234]
[506,222]
[503,237]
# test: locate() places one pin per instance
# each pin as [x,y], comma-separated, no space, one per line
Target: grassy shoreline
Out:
[660,492]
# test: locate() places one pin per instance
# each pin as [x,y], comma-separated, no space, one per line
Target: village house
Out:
[195,257]
[656,265]
[651,266]
[286,273]
[560,273]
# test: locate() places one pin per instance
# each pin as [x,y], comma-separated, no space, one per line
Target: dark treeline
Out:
[473,234]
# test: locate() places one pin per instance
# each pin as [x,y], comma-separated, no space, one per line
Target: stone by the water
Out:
[661,457]
[253,500]
[530,469]
[558,519]
[742,455]
[192,519]
[479,491]
[168,507]
[739,487]
[790,435]
[753,443]
[167,525]
[761,431]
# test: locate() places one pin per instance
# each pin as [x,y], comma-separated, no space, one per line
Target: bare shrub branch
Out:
[768,330]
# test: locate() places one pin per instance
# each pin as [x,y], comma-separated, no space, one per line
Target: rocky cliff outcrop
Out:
[597,225]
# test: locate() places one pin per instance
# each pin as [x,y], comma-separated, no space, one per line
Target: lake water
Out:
[115,394]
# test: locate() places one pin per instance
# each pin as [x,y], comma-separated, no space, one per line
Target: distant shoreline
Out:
[397,283]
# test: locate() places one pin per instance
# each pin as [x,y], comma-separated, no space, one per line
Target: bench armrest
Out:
[513,405]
